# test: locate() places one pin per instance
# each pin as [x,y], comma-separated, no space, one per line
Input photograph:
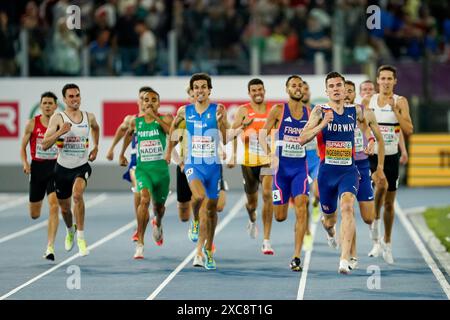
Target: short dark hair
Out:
[69,86]
[334,74]
[350,83]
[294,76]
[200,76]
[387,67]
[254,81]
[151,90]
[145,89]
[366,81]
[49,94]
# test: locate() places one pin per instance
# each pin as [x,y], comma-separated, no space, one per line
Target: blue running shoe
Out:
[210,263]
[193,230]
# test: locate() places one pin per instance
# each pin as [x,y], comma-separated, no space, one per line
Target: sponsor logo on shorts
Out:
[189,172]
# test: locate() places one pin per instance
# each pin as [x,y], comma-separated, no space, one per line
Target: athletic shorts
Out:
[333,182]
[131,166]
[289,184]
[209,175]
[155,180]
[252,177]
[42,179]
[313,163]
[65,178]
[184,193]
[365,190]
[391,169]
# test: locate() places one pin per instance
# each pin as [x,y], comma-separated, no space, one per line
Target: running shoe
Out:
[82,247]
[376,249]
[210,264]
[193,230]
[315,214]
[332,241]
[157,233]
[344,267]
[68,244]
[252,229]
[387,253]
[307,242]
[135,236]
[375,230]
[139,254]
[198,261]
[295,264]
[353,264]
[50,253]
[267,248]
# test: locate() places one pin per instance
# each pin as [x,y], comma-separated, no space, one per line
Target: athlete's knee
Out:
[77,197]
[35,213]
[389,206]
[145,201]
[198,198]
[267,196]
[280,216]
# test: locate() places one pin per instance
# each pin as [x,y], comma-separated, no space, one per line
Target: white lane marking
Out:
[110,236]
[236,208]
[302,285]
[13,203]
[414,210]
[90,203]
[423,250]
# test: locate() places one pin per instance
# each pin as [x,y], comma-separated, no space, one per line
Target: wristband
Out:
[371,138]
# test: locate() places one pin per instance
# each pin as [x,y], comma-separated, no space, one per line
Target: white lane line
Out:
[219,228]
[110,236]
[90,203]
[302,285]
[423,250]
[13,203]
[414,210]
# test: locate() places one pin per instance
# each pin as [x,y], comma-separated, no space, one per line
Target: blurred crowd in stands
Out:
[131,37]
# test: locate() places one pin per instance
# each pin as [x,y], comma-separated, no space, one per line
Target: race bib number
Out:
[338,153]
[292,147]
[74,146]
[49,154]
[203,147]
[359,141]
[150,150]
[276,196]
[390,135]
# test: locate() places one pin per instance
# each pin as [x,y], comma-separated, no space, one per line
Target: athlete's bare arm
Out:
[401,110]
[23,148]
[56,128]
[236,129]
[120,133]
[315,124]
[273,120]
[403,150]
[95,133]
[378,176]
[174,133]
[222,122]
[123,161]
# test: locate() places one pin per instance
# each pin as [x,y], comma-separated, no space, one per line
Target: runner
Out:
[152,171]
[289,161]
[334,123]
[42,168]
[256,167]
[392,114]
[70,130]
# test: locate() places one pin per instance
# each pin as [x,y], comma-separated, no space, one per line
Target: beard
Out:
[295,98]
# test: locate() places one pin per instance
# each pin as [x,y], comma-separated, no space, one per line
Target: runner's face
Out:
[73,98]
[257,93]
[306,93]
[151,101]
[349,93]
[367,90]
[294,89]
[48,106]
[201,90]
[336,89]
[386,81]
[141,101]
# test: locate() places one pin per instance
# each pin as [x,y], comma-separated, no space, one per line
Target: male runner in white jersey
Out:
[70,130]
[42,169]
[392,114]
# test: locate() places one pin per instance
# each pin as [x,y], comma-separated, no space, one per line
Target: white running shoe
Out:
[375,230]
[387,253]
[157,233]
[376,249]
[332,241]
[139,254]
[198,261]
[353,264]
[252,229]
[344,267]
[267,248]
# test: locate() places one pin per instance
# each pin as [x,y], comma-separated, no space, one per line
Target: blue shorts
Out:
[313,163]
[131,166]
[333,182]
[365,191]
[209,175]
[289,184]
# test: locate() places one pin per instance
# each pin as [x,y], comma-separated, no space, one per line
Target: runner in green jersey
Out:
[152,171]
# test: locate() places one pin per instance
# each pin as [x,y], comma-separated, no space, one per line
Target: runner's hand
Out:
[93,154]
[123,161]
[110,155]
[65,128]
[404,158]
[27,168]
[370,148]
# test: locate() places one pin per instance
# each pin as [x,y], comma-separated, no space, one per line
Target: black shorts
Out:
[42,179]
[65,178]
[391,169]
[252,177]
[184,193]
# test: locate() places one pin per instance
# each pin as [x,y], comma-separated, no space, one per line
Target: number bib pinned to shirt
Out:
[338,153]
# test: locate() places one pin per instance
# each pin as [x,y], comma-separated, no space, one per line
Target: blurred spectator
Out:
[316,40]
[145,64]
[127,40]
[291,49]
[187,67]
[100,54]
[274,45]
[7,51]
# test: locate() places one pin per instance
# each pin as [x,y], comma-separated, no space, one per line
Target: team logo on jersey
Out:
[288,119]
[351,117]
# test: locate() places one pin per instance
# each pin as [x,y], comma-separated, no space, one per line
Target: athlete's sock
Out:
[71,229]
[80,234]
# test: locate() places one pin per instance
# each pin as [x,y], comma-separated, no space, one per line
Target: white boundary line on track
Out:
[220,227]
[92,202]
[13,203]
[423,250]
[110,236]
[302,285]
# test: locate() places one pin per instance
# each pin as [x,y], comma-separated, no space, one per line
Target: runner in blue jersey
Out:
[206,124]
[334,124]
[291,170]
